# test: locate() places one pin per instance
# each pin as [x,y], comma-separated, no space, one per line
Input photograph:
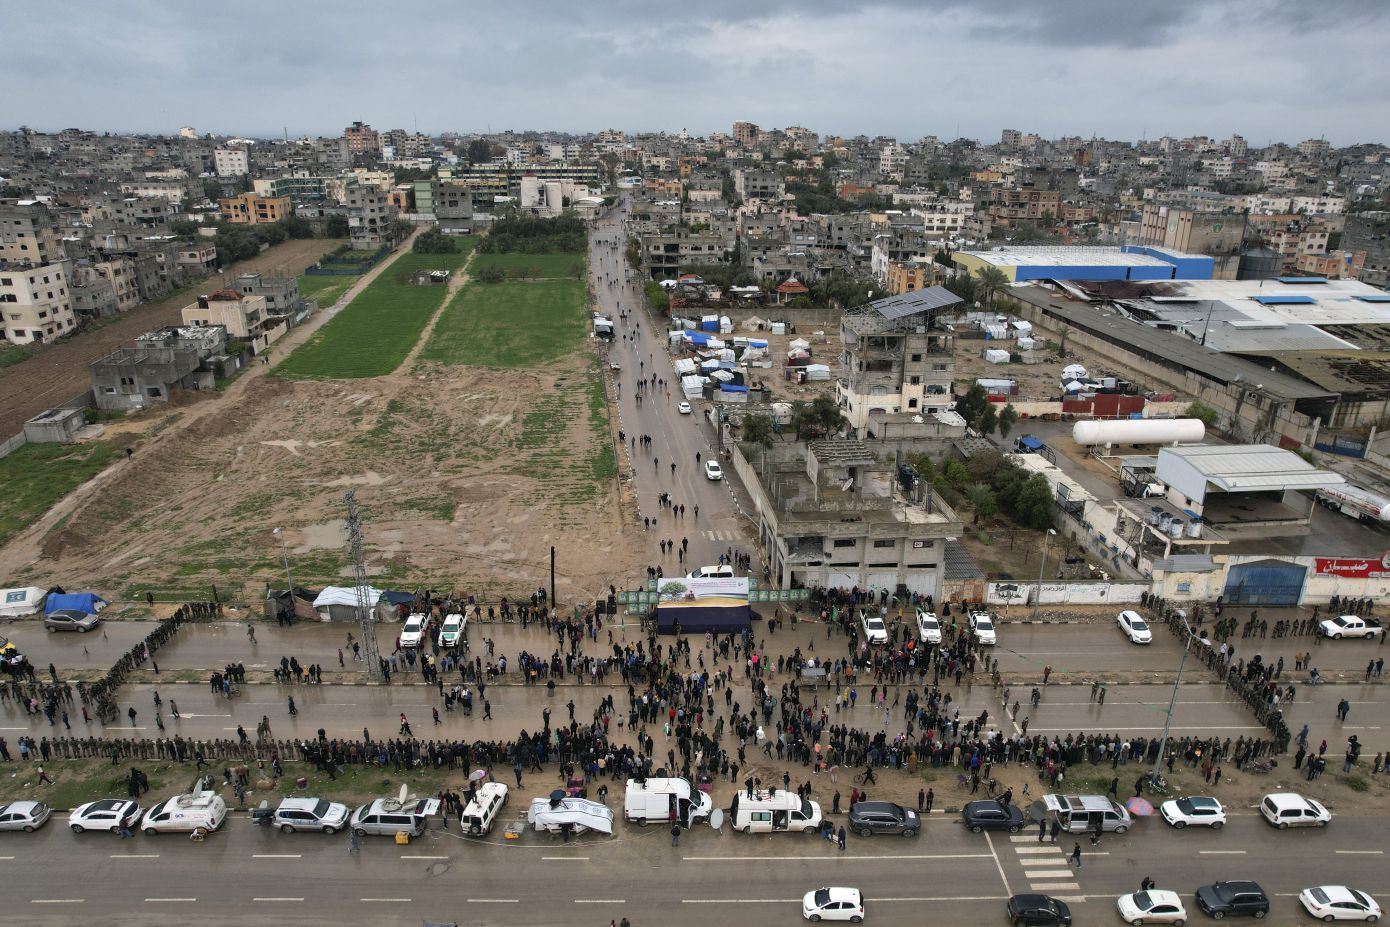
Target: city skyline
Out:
[1261,70]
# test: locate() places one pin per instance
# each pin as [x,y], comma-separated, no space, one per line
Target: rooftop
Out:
[901,312]
[1062,255]
[1251,467]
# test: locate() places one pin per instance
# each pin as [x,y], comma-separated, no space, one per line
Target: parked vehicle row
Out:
[1235,898]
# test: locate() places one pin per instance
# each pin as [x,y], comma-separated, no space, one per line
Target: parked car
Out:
[27,816]
[413,631]
[1039,911]
[1197,810]
[875,631]
[1289,809]
[1339,903]
[451,633]
[1241,897]
[110,814]
[867,818]
[1135,627]
[712,471]
[70,619]
[683,408]
[310,814]
[204,811]
[988,814]
[1349,626]
[833,904]
[982,626]
[928,627]
[388,817]
[1154,906]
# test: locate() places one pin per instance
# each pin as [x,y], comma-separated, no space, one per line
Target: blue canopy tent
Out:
[88,602]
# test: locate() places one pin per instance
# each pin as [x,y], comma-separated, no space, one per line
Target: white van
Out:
[482,811]
[199,811]
[663,800]
[1079,814]
[724,571]
[774,811]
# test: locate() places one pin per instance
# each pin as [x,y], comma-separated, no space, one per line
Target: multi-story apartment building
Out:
[1026,204]
[746,134]
[895,358]
[29,233]
[244,316]
[362,138]
[35,302]
[281,294]
[1335,265]
[231,162]
[371,218]
[250,209]
[759,185]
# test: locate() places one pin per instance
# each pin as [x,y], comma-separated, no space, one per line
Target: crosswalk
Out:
[1045,865]
[729,534]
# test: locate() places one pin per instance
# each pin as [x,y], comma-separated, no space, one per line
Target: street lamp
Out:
[1037,599]
[1173,700]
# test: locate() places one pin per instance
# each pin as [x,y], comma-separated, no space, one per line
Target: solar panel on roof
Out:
[905,304]
[1301,279]
[1283,300]
[1377,298]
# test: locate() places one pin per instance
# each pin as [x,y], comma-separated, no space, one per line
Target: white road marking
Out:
[564,858]
[739,859]
[6,857]
[1360,852]
[998,865]
[389,900]
[739,900]
[152,900]
[1047,874]
[1221,852]
[1053,886]
[57,901]
[277,899]
[494,901]
[1041,861]
[424,857]
[946,898]
[1185,727]
[276,855]
[600,901]
[1035,850]
[135,856]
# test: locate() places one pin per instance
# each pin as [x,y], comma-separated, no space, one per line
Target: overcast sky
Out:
[1281,70]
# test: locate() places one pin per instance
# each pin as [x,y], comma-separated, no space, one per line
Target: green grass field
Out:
[326,290]
[533,265]
[378,328]
[510,324]
[37,475]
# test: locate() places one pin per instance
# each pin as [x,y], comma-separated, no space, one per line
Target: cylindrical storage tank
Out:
[530,191]
[1175,529]
[1155,513]
[1194,528]
[554,196]
[1139,431]
[1164,520]
[1260,264]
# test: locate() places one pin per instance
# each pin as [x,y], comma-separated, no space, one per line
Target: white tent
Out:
[995,356]
[798,344]
[817,372]
[685,366]
[693,387]
[582,814]
[1074,372]
[16,603]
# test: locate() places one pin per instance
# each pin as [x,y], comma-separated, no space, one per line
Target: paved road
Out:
[947,875]
[675,437]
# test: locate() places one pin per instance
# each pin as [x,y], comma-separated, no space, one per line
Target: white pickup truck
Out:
[1349,626]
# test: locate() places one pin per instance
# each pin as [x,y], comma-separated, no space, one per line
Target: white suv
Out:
[412,631]
[928,627]
[982,625]
[1289,809]
[311,814]
[875,631]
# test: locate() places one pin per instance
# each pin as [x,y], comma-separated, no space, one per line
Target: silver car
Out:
[27,816]
[70,619]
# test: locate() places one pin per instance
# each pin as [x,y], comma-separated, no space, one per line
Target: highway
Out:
[946,875]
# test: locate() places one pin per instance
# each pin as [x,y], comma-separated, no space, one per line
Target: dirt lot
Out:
[58,373]
[444,466]
[1039,380]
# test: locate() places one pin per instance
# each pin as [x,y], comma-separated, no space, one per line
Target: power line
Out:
[359,574]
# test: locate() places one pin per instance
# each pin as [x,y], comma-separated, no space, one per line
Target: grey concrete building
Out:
[158,363]
[896,358]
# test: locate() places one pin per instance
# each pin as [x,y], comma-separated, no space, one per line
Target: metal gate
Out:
[1265,582]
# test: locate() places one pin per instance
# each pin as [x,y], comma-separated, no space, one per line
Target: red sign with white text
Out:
[1364,568]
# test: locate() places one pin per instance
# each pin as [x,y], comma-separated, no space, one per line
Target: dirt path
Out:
[59,372]
[26,547]
[456,283]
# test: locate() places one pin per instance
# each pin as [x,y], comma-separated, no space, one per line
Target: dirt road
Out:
[59,372]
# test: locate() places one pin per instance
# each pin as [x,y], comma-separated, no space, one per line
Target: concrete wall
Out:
[1064,592]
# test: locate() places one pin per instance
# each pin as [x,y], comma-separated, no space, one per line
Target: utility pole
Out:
[359,575]
[1037,599]
[552,577]
[1172,702]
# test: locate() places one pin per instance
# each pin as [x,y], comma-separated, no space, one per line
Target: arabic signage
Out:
[1348,568]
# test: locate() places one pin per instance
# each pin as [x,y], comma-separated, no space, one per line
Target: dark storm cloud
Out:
[1284,69]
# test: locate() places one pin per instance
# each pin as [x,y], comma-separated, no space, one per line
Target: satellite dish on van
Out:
[403,797]
[716,818]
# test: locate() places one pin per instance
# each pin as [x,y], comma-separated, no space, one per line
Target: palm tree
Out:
[981,500]
[991,281]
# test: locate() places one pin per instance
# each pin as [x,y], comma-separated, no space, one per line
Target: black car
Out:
[1042,910]
[992,815]
[1234,898]
[883,817]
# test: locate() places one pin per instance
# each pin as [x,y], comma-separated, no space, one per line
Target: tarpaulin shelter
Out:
[16,603]
[88,602]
